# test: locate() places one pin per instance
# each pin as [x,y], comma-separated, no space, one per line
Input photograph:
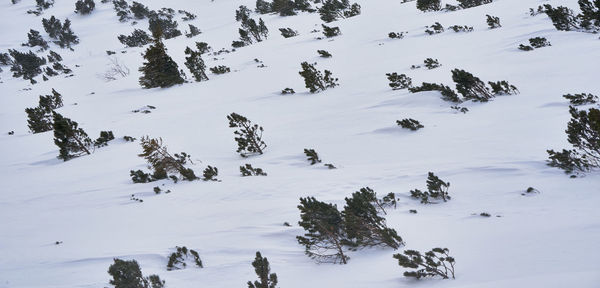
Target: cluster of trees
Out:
[565,19]
[468,85]
[331,233]
[250,31]
[436,5]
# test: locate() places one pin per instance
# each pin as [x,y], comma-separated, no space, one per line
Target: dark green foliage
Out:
[583,132]
[472,3]
[210,173]
[485,214]
[312,156]
[283,7]
[250,31]
[396,35]
[314,80]
[436,262]
[67,37]
[288,91]
[331,31]
[400,81]
[324,53]
[364,227]
[429,5]
[194,31]
[330,166]
[263,271]
[71,140]
[177,259]
[388,200]
[140,176]
[458,28]
[493,21]
[54,57]
[138,38]
[187,15]
[5,59]
[164,26]
[194,62]
[331,10]
[163,163]
[288,32]
[409,123]
[128,138]
[436,189]
[581,99]
[354,10]
[221,69]
[263,7]
[248,136]
[127,274]
[44,4]
[539,42]
[26,65]
[248,170]
[325,235]
[525,47]
[159,70]
[203,47]
[35,39]
[139,10]
[52,26]
[38,120]
[84,7]
[105,136]
[436,28]
[470,86]
[447,93]
[590,14]
[122,9]
[431,63]
[503,88]
[562,17]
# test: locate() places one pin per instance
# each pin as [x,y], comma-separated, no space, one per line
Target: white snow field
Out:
[490,155]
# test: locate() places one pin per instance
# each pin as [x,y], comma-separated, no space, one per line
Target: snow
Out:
[490,155]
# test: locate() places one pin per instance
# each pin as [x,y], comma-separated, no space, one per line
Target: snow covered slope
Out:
[490,155]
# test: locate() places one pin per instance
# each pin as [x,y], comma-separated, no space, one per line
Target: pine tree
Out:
[472,3]
[581,99]
[71,140]
[436,189]
[84,7]
[314,79]
[127,274]
[66,37]
[409,123]
[364,227]
[590,14]
[325,235]
[470,86]
[138,38]
[263,271]
[26,65]
[330,32]
[331,10]
[312,156]
[248,170]
[447,93]
[583,132]
[52,26]
[398,82]
[195,64]
[249,135]
[562,17]
[263,7]
[429,5]
[436,262]
[35,39]
[163,163]
[159,70]
[493,21]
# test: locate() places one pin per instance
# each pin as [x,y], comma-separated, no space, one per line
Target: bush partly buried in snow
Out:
[433,263]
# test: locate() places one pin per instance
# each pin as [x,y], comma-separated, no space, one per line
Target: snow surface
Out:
[490,154]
